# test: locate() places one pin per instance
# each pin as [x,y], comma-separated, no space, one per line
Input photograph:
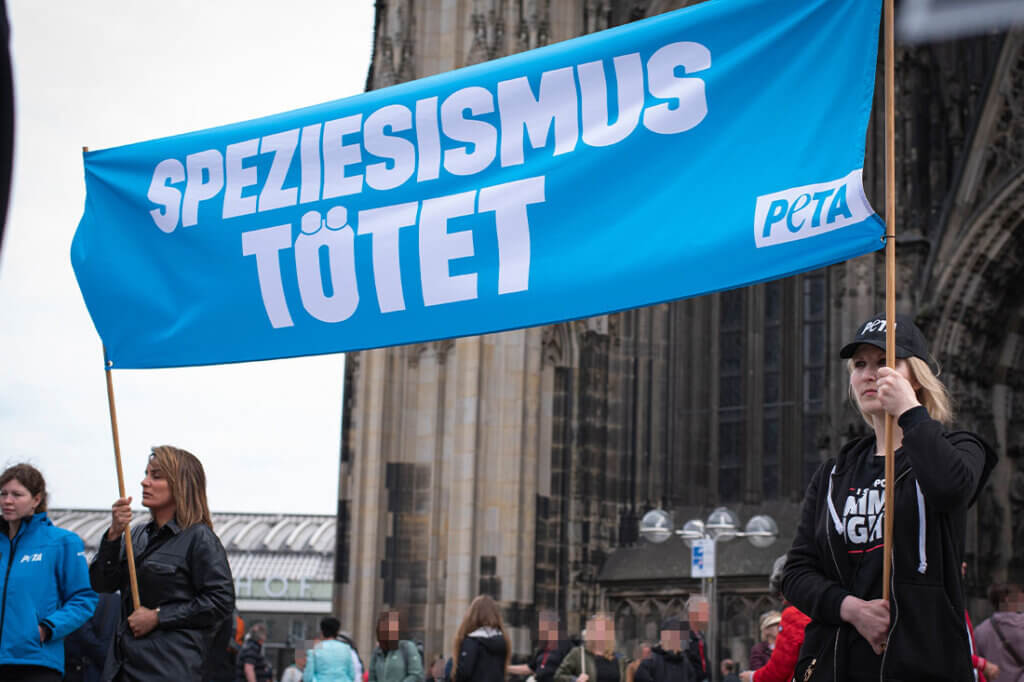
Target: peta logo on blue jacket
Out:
[45,583]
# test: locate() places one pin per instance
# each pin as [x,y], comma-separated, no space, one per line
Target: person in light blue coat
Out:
[331,660]
[45,592]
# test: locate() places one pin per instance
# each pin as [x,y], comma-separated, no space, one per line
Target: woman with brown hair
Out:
[45,584]
[184,580]
[481,650]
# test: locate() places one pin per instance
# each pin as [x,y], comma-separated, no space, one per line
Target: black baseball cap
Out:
[910,342]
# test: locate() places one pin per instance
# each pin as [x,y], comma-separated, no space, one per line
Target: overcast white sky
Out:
[101,73]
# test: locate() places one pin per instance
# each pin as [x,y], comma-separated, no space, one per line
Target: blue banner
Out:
[699,150]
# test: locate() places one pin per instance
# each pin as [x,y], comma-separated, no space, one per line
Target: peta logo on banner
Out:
[810,210]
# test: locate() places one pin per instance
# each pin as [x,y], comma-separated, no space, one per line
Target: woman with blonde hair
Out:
[185,585]
[834,570]
[596,660]
[481,649]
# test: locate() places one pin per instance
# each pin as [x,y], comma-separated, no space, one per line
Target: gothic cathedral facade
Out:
[519,464]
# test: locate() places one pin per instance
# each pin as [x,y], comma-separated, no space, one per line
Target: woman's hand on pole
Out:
[120,517]
[143,621]
[895,392]
[870,618]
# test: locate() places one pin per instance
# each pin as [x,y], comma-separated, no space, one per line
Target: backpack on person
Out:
[404,646]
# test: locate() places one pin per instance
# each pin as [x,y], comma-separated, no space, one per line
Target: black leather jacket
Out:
[183,572]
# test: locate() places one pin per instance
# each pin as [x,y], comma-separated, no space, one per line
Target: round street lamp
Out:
[691,532]
[761,531]
[722,524]
[656,526]
[701,537]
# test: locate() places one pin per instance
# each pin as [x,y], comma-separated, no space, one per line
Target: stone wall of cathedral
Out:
[518,464]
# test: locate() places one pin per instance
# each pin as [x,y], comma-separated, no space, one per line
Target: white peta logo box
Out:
[802,212]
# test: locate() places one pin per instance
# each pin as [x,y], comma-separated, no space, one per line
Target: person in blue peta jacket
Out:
[46,594]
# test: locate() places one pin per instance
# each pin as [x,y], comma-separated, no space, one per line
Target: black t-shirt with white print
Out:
[861,509]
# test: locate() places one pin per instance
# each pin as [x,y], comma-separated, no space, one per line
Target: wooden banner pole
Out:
[890,281]
[132,578]
[107,366]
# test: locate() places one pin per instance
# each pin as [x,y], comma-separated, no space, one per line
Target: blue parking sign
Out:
[702,559]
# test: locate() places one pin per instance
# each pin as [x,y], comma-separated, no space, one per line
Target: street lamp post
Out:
[702,537]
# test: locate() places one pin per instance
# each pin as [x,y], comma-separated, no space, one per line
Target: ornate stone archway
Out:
[971,307]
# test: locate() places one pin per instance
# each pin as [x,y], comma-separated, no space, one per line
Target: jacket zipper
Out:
[7,578]
[892,593]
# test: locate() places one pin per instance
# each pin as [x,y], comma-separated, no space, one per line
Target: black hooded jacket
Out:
[938,473]
[666,666]
[482,657]
[184,573]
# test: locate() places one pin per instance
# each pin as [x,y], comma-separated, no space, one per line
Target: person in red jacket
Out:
[782,663]
[981,665]
[984,669]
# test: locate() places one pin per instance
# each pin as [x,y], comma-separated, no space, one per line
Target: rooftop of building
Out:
[258,545]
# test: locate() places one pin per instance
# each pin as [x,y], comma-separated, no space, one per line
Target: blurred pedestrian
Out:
[642,653]
[552,647]
[782,663]
[85,649]
[729,669]
[185,585]
[668,661]
[357,660]
[331,660]
[481,650]
[293,673]
[834,569]
[762,651]
[394,659]
[1000,638]
[595,660]
[698,614]
[252,665]
[46,594]
[436,671]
